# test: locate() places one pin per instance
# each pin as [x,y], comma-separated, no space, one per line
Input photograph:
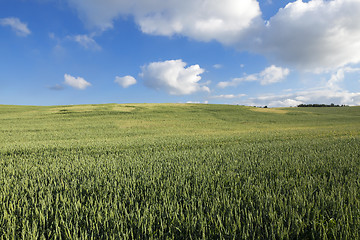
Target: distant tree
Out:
[321,105]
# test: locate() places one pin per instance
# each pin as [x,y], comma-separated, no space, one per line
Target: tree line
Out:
[321,105]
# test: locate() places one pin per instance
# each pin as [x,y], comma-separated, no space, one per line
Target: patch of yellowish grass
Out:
[123,108]
[91,108]
[269,110]
[75,108]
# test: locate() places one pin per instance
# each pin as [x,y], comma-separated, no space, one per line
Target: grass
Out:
[179,171]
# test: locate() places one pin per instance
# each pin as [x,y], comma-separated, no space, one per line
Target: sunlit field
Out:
[179,171]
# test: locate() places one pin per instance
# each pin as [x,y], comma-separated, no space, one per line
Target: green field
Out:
[179,171]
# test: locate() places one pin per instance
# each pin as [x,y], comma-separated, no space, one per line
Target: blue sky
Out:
[249,52]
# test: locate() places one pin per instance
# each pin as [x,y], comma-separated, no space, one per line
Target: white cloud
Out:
[217,66]
[331,93]
[273,74]
[314,36]
[269,75]
[76,82]
[85,41]
[317,95]
[285,103]
[173,77]
[335,79]
[320,96]
[126,81]
[228,96]
[16,25]
[197,102]
[99,13]
[224,21]
[339,76]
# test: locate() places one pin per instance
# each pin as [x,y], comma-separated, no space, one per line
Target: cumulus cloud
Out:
[99,13]
[16,25]
[224,21]
[85,41]
[285,103]
[310,96]
[76,82]
[173,77]
[126,81]
[331,92]
[269,75]
[273,74]
[317,35]
[339,76]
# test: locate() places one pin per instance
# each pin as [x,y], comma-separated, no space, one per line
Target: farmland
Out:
[179,171]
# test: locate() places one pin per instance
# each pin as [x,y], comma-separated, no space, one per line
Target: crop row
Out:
[230,189]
